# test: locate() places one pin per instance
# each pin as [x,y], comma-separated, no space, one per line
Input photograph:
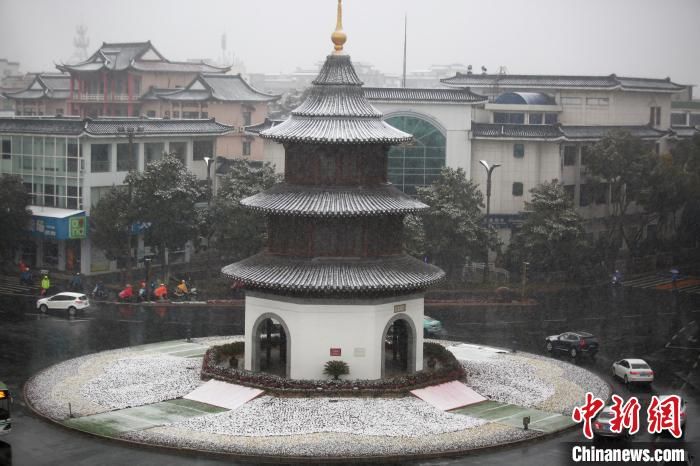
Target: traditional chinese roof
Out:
[222,87]
[141,56]
[558,132]
[682,132]
[334,276]
[285,199]
[513,131]
[44,86]
[524,81]
[402,94]
[336,111]
[267,124]
[110,126]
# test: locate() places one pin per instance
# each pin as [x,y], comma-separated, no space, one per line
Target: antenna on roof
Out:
[483,69]
[502,70]
[405,40]
[469,69]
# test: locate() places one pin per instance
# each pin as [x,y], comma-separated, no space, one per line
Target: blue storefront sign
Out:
[58,228]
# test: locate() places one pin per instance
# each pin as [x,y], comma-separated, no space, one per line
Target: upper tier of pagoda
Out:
[336,112]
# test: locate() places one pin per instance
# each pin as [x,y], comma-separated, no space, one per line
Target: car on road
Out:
[601,425]
[432,327]
[66,301]
[574,344]
[633,371]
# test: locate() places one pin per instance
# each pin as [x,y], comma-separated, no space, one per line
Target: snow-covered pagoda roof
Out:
[328,201]
[221,87]
[334,276]
[44,86]
[407,94]
[336,111]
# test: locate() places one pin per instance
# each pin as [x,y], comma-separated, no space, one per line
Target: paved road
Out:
[31,342]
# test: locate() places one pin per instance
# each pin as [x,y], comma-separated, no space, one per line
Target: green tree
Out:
[552,237]
[686,165]
[237,231]
[14,215]
[453,228]
[110,223]
[625,164]
[164,197]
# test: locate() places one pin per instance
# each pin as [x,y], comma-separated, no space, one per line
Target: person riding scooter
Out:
[161,293]
[127,294]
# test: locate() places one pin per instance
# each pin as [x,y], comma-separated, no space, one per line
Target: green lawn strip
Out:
[142,417]
[162,344]
[501,412]
[188,353]
[477,408]
[175,348]
[553,424]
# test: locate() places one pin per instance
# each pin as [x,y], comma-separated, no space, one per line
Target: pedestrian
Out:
[22,266]
[26,278]
[45,285]
[76,283]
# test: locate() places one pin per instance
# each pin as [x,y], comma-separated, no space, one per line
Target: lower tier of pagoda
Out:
[334,276]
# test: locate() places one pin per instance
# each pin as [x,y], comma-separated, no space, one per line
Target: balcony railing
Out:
[101,98]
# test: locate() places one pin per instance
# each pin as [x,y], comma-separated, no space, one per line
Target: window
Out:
[6,149]
[597,101]
[551,118]
[205,115]
[694,119]
[99,158]
[246,147]
[517,189]
[518,151]
[570,153]
[201,149]
[151,114]
[246,118]
[586,195]
[655,116]
[59,112]
[571,100]
[509,118]
[570,190]
[679,119]
[166,114]
[152,151]
[179,150]
[418,164]
[176,114]
[536,119]
[585,154]
[123,163]
[601,193]
[190,115]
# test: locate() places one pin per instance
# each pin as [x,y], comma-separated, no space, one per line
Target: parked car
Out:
[432,327]
[66,301]
[633,371]
[573,343]
[601,425]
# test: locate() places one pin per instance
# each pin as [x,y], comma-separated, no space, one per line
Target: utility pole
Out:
[523,282]
[130,135]
[209,161]
[405,40]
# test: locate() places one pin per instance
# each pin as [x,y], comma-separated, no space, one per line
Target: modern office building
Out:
[67,164]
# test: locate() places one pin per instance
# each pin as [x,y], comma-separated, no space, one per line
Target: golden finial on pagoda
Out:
[339,37]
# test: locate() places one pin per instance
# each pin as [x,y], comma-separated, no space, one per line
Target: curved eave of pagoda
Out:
[336,130]
[336,101]
[347,201]
[334,276]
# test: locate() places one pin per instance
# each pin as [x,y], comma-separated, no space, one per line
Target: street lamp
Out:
[209,161]
[489,171]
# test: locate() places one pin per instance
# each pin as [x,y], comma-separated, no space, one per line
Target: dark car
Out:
[573,343]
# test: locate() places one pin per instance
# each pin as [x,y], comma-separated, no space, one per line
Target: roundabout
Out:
[139,395]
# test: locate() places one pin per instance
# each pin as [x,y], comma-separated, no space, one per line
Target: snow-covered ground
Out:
[393,417]
[140,380]
[312,426]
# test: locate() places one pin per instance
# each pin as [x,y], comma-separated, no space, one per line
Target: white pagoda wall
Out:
[316,326]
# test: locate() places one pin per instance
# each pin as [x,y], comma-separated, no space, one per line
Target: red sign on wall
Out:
[335,351]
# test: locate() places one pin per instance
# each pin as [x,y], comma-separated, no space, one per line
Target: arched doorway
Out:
[418,163]
[398,348]
[271,345]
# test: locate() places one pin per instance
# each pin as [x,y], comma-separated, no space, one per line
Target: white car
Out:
[633,371]
[66,301]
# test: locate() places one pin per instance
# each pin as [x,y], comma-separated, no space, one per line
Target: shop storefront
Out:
[57,236]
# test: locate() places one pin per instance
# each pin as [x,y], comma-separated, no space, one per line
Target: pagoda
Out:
[333,282]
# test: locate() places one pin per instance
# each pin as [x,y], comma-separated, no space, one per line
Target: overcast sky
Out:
[646,38]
